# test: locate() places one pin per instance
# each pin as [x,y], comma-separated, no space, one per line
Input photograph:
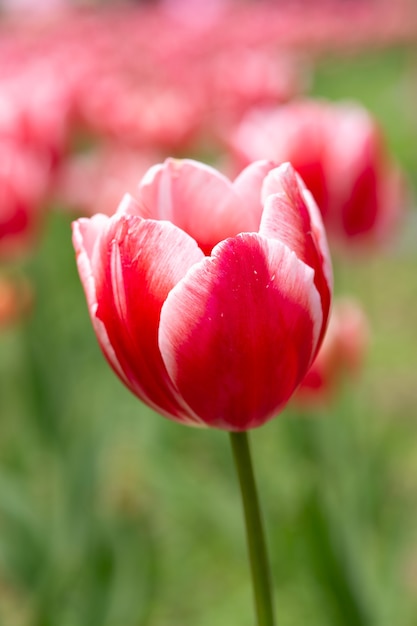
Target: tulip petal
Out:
[86,234]
[292,216]
[137,264]
[201,201]
[237,334]
[130,206]
[248,186]
[286,216]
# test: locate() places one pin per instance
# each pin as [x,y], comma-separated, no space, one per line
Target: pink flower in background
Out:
[35,112]
[31,8]
[339,152]
[24,185]
[159,77]
[100,178]
[342,353]
[209,298]
[240,77]
[142,115]
[197,14]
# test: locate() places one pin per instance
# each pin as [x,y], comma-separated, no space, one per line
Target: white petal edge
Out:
[85,249]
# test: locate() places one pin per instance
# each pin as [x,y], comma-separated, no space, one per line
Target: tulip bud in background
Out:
[41,122]
[99,178]
[31,8]
[195,13]
[265,78]
[142,116]
[24,185]
[339,152]
[209,298]
[341,355]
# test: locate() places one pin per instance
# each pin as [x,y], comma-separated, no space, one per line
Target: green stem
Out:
[261,579]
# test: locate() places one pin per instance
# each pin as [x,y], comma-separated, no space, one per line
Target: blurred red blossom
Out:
[98,179]
[339,151]
[140,76]
[39,8]
[341,355]
[142,116]
[34,111]
[24,187]
[168,76]
[209,298]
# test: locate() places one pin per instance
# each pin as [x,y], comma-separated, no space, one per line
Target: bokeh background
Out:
[109,514]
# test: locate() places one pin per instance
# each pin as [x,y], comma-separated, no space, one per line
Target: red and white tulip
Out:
[209,298]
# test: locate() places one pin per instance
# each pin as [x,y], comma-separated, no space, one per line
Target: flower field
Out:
[111,515]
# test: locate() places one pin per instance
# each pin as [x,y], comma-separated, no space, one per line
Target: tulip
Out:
[99,177]
[142,116]
[339,152]
[341,354]
[24,182]
[209,298]
[32,8]
[39,123]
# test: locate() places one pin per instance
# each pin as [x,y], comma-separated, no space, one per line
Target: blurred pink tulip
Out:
[24,183]
[31,8]
[265,78]
[342,353]
[35,112]
[100,178]
[197,14]
[151,116]
[339,152]
[209,298]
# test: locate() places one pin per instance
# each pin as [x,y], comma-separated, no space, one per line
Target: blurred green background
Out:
[113,516]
